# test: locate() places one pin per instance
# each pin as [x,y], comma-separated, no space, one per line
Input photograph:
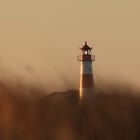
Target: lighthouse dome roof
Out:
[86,47]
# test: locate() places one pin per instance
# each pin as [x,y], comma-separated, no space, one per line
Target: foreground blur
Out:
[113,115]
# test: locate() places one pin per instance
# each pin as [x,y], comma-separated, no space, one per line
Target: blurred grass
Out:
[114,114]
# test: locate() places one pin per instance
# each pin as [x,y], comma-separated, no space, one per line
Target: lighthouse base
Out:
[86,94]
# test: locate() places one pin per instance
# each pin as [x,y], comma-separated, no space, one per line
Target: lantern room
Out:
[86,50]
[86,54]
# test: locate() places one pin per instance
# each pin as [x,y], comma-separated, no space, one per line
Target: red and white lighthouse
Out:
[86,73]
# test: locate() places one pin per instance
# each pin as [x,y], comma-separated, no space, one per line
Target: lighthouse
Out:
[86,73]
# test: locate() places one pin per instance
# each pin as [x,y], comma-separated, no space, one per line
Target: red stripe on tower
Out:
[86,73]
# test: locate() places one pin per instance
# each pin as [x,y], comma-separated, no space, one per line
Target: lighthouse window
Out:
[86,52]
[89,52]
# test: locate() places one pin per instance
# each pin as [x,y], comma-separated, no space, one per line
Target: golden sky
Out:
[39,39]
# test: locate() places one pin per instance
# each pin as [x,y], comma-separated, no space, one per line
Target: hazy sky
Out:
[39,39]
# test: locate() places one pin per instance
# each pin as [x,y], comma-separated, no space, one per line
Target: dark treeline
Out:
[114,114]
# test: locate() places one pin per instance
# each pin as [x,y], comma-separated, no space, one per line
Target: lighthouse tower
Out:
[86,73]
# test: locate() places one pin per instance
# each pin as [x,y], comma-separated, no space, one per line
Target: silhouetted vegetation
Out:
[114,114]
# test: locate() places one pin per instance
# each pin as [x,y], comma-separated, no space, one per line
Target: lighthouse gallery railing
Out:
[86,57]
